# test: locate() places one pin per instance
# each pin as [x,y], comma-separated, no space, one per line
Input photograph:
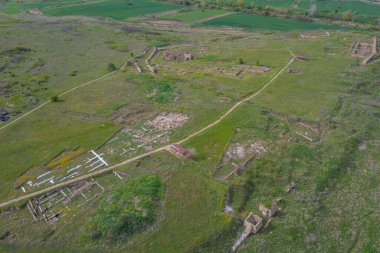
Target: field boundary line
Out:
[166,147]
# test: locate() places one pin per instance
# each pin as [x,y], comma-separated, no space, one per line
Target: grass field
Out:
[334,207]
[256,22]
[190,16]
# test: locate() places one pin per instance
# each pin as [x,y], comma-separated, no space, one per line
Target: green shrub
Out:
[161,90]
[39,78]
[128,209]
[15,50]
[73,73]
[54,99]
[111,67]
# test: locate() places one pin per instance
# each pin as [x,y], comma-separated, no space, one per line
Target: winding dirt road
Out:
[108,169]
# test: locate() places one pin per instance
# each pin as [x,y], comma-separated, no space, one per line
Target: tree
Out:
[241,61]
[313,10]
[346,15]
[111,67]
[240,3]
[54,99]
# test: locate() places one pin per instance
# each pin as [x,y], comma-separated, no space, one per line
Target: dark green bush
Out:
[128,209]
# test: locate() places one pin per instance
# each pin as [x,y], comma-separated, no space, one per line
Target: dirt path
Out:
[213,17]
[108,169]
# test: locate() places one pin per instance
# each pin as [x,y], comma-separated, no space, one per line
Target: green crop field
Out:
[189,16]
[256,22]
[360,7]
[116,9]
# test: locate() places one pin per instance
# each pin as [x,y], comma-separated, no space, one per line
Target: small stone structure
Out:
[290,187]
[147,61]
[268,212]
[180,151]
[252,69]
[184,57]
[236,70]
[252,224]
[364,49]
[294,71]
[138,67]
[374,51]
[314,35]
[36,12]
[168,120]
[170,56]
[300,58]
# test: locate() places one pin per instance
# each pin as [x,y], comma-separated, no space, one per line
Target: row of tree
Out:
[293,12]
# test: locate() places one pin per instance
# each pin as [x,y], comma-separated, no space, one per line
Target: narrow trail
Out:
[108,169]
[212,17]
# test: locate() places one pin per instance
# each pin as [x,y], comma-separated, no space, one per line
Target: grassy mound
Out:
[130,208]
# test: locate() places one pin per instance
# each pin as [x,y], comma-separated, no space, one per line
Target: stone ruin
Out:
[294,71]
[237,70]
[36,12]
[268,212]
[364,49]
[314,35]
[290,187]
[168,120]
[240,151]
[171,56]
[238,156]
[252,69]
[301,58]
[252,223]
[180,151]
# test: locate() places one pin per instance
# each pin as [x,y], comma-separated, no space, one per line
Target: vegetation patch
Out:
[15,50]
[39,78]
[128,209]
[159,90]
